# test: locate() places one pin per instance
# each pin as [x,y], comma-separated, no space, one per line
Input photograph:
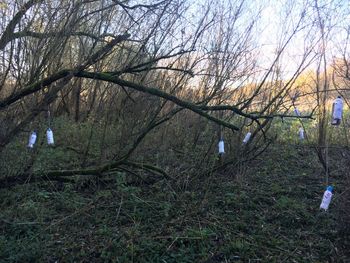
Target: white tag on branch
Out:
[337,111]
[221,147]
[32,139]
[49,135]
[327,197]
[301,133]
[247,137]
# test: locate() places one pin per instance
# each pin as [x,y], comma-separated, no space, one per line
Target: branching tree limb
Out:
[156,92]
[35,87]
[7,36]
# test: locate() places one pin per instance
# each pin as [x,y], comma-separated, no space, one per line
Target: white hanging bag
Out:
[32,139]
[337,113]
[327,197]
[247,137]
[221,147]
[49,135]
[301,133]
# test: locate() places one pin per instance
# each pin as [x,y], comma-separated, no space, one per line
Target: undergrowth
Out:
[267,213]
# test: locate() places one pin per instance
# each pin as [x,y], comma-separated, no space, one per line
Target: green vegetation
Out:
[264,212]
[138,94]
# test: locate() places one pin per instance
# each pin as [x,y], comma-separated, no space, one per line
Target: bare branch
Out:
[7,36]
[152,6]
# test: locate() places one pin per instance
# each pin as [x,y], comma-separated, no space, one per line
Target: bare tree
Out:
[86,57]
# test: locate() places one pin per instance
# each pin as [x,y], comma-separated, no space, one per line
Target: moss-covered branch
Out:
[156,92]
[35,87]
[64,175]
[8,33]
[32,88]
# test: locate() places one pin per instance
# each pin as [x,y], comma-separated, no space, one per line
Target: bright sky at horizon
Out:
[282,16]
[277,20]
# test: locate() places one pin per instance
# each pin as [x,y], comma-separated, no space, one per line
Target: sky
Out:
[334,15]
[277,20]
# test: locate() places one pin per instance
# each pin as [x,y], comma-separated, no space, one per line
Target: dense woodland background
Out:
[138,95]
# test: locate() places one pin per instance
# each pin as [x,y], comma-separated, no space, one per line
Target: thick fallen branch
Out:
[199,109]
[39,85]
[25,179]
[156,92]
[252,116]
[148,167]
[7,35]
[32,88]
[65,175]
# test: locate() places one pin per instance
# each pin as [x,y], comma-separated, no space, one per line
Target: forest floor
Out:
[266,212]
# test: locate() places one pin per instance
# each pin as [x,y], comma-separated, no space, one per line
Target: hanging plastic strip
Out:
[49,135]
[327,197]
[32,139]
[221,147]
[247,137]
[301,133]
[337,111]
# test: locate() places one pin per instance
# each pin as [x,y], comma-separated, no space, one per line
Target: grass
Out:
[269,215]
